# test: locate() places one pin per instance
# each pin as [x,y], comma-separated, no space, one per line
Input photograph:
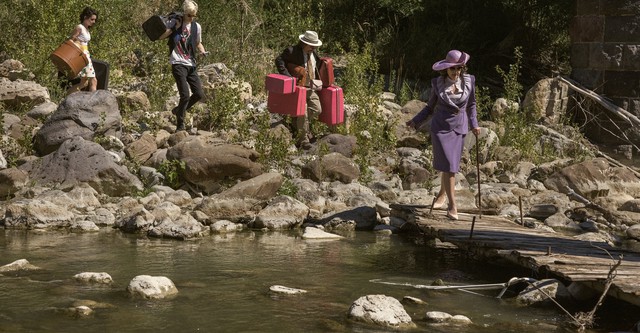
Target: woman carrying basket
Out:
[81,37]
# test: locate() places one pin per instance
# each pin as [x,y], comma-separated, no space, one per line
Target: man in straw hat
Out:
[302,62]
[452,103]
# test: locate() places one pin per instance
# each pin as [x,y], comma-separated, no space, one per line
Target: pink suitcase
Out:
[326,72]
[294,104]
[332,102]
[281,84]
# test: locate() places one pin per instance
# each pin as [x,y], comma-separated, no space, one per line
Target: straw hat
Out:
[454,58]
[310,38]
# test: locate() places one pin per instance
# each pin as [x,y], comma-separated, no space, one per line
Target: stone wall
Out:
[605,53]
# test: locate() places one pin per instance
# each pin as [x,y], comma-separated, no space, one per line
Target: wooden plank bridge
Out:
[546,252]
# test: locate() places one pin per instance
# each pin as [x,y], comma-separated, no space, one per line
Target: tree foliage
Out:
[405,36]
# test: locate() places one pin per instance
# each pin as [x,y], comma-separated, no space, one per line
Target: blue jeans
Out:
[186,79]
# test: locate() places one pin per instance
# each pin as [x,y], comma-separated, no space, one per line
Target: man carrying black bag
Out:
[185,38]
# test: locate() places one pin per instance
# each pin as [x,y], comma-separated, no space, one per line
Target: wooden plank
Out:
[569,258]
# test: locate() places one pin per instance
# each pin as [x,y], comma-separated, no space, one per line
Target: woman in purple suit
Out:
[452,103]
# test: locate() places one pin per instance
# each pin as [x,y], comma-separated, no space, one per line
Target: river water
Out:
[224,281]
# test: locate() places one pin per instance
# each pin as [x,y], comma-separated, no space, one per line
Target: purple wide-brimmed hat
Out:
[454,58]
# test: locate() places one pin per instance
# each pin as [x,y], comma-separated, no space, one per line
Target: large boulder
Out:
[381,310]
[37,214]
[11,181]
[262,187]
[84,114]
[142,149]
[538,292]
[595,178]
[333,166]
[548,99]
[337,143]
[408,137]
[237,210]
[282,212]
[182,227]
[79,161]
[208,164]
[18,265]
[17,93]
[152,287]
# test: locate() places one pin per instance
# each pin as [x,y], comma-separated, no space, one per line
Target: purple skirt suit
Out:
[450,122]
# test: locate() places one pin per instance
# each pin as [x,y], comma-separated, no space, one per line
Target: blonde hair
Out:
[190,7]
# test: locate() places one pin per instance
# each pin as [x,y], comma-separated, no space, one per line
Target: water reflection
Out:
[223,284]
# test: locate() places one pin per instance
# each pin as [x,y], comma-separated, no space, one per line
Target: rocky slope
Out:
[93,160]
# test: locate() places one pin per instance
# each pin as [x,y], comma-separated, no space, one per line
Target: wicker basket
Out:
[69,59]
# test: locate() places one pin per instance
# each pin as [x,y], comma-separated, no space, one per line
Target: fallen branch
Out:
[612,217]
[597,152]
[618,111]
[585,320]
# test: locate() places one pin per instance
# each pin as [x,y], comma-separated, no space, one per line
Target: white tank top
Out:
[84,37]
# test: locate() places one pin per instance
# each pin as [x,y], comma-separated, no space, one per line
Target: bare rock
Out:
[224,226]
[79,161]
[232,209]
[533,294]
[134,100]
[12,180]
[42,111]
[315,233]
[93,277]
[3,162]
[330,167]
[277,289]
[152,287]
[83,226]
[381,310]
[282,212]
[12,69]
[634,232]
[142,149]
[183,227]
[595,178]
[548,99]
[337,143]
[262,187]
[84,114]
[18,265]
[17,93]
[412,300]
[138,220]
[209,164]
[37,214]
[437,316]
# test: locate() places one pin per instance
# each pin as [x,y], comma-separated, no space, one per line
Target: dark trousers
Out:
[186,78]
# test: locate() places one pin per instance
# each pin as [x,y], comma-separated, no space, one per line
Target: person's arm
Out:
[281,61]
[424,113]
[201,49]
[74,34]
[172,26]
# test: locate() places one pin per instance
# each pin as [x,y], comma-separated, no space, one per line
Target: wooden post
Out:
[473,223]
[432,203]
[520,205]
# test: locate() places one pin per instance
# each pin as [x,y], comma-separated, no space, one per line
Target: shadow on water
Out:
[223,284]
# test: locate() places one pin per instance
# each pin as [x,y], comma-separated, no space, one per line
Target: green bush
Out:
[362,86]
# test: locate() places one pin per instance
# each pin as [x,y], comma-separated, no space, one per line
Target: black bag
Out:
[156,25]
[102,76]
